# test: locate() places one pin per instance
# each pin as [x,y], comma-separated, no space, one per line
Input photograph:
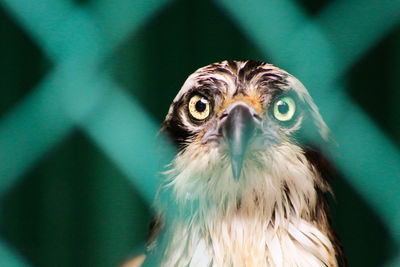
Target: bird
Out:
[246,186]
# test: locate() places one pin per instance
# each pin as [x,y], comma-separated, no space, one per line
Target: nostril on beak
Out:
[257,118]
[224,115]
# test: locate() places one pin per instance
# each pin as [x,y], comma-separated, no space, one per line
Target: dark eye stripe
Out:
[174,128]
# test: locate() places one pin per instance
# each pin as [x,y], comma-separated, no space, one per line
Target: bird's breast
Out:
[240,240]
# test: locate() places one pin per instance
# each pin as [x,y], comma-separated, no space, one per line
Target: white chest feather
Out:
[241,241]
[262,220]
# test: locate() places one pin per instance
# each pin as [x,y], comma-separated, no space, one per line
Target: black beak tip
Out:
[236,169]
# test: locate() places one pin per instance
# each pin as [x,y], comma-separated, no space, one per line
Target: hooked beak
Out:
[238,124]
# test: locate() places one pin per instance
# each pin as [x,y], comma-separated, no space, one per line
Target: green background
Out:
[76,177]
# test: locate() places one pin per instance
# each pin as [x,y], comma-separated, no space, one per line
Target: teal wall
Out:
[85,84]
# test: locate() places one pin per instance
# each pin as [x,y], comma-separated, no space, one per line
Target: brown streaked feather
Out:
[155,226]
[322,214]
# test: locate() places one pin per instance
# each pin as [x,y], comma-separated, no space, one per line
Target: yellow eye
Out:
[284,109]
[199,107]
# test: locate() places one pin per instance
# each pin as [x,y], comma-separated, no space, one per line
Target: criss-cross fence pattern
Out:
[78,93]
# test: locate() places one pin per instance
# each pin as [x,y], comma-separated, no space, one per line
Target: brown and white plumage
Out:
[245,189]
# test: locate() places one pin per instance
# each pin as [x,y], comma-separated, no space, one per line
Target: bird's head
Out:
[236,125]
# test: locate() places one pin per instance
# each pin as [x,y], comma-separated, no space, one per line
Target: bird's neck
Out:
[247,239]
[249,234]
[268,218]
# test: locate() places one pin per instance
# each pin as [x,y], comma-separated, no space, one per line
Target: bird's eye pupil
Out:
[283,107]
[201,105]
